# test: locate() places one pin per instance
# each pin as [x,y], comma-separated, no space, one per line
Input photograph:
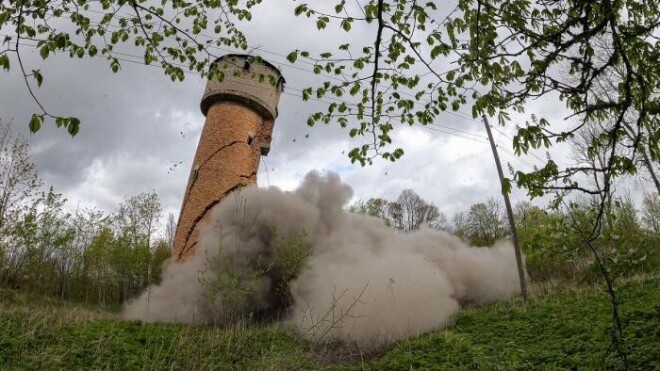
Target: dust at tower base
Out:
[240,105]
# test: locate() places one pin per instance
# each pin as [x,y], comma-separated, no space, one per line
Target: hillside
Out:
[565,329]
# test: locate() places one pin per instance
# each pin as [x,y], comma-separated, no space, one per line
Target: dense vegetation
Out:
[566,329]
[552,238]
[96,257]
[87,255]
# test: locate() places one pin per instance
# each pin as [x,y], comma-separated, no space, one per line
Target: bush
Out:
[241,285]
[554,243]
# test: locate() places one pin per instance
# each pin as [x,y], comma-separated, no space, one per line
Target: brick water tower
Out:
[240,108]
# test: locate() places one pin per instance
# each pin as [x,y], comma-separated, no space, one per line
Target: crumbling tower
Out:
[240,109]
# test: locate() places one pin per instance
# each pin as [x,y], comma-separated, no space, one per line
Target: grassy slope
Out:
[561,330]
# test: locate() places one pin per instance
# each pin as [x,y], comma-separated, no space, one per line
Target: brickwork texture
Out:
[240,113]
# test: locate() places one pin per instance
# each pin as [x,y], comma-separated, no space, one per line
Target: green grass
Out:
[566,329]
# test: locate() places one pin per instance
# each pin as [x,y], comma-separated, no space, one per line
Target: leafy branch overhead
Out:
[178,36]
[418,60]
[497,58]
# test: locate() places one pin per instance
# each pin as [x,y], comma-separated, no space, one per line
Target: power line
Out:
[517,158]
[511,139]
[456,130]
[468,118]
[246,83]
[138,60]
[281,63]
[432,127]
[521,160]
[228,50]
[286,64]
[455,135]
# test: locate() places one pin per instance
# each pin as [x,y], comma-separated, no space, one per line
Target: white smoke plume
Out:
[362,282]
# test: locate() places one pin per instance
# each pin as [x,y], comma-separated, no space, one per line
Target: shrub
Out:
[241,285]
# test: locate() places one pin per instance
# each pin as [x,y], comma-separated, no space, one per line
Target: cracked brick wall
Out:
[237,132]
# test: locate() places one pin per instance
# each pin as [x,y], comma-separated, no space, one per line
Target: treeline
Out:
[553,240]
[87,255]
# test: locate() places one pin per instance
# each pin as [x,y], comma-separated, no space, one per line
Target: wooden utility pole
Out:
[509,212]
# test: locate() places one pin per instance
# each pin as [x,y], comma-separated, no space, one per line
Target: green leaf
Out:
[300,9]
[292,57]
[44,51]
[35,123]
[322,22]
[38,77]
[114,65]
[346,25]
[506,186]
[60,41]
[355,89]
[74,126]
[4,62]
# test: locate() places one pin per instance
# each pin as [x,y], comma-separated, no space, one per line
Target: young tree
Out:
[97,278]
[161,253]
[525,212]
[635,136]
[170,231]
[138,217]
[19,186]
[41,250]
[651,212]
[484,223]
[460,225]
[376,207]
[19,182]
[54,237]
[130,254]
[410,212]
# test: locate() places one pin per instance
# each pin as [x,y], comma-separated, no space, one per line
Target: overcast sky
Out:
[140,130]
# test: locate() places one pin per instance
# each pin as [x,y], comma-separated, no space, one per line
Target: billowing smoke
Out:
[300,258]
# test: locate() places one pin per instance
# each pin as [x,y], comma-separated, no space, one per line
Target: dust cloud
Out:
[301,259]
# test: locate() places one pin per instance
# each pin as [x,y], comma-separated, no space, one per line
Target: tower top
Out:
[246,79]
